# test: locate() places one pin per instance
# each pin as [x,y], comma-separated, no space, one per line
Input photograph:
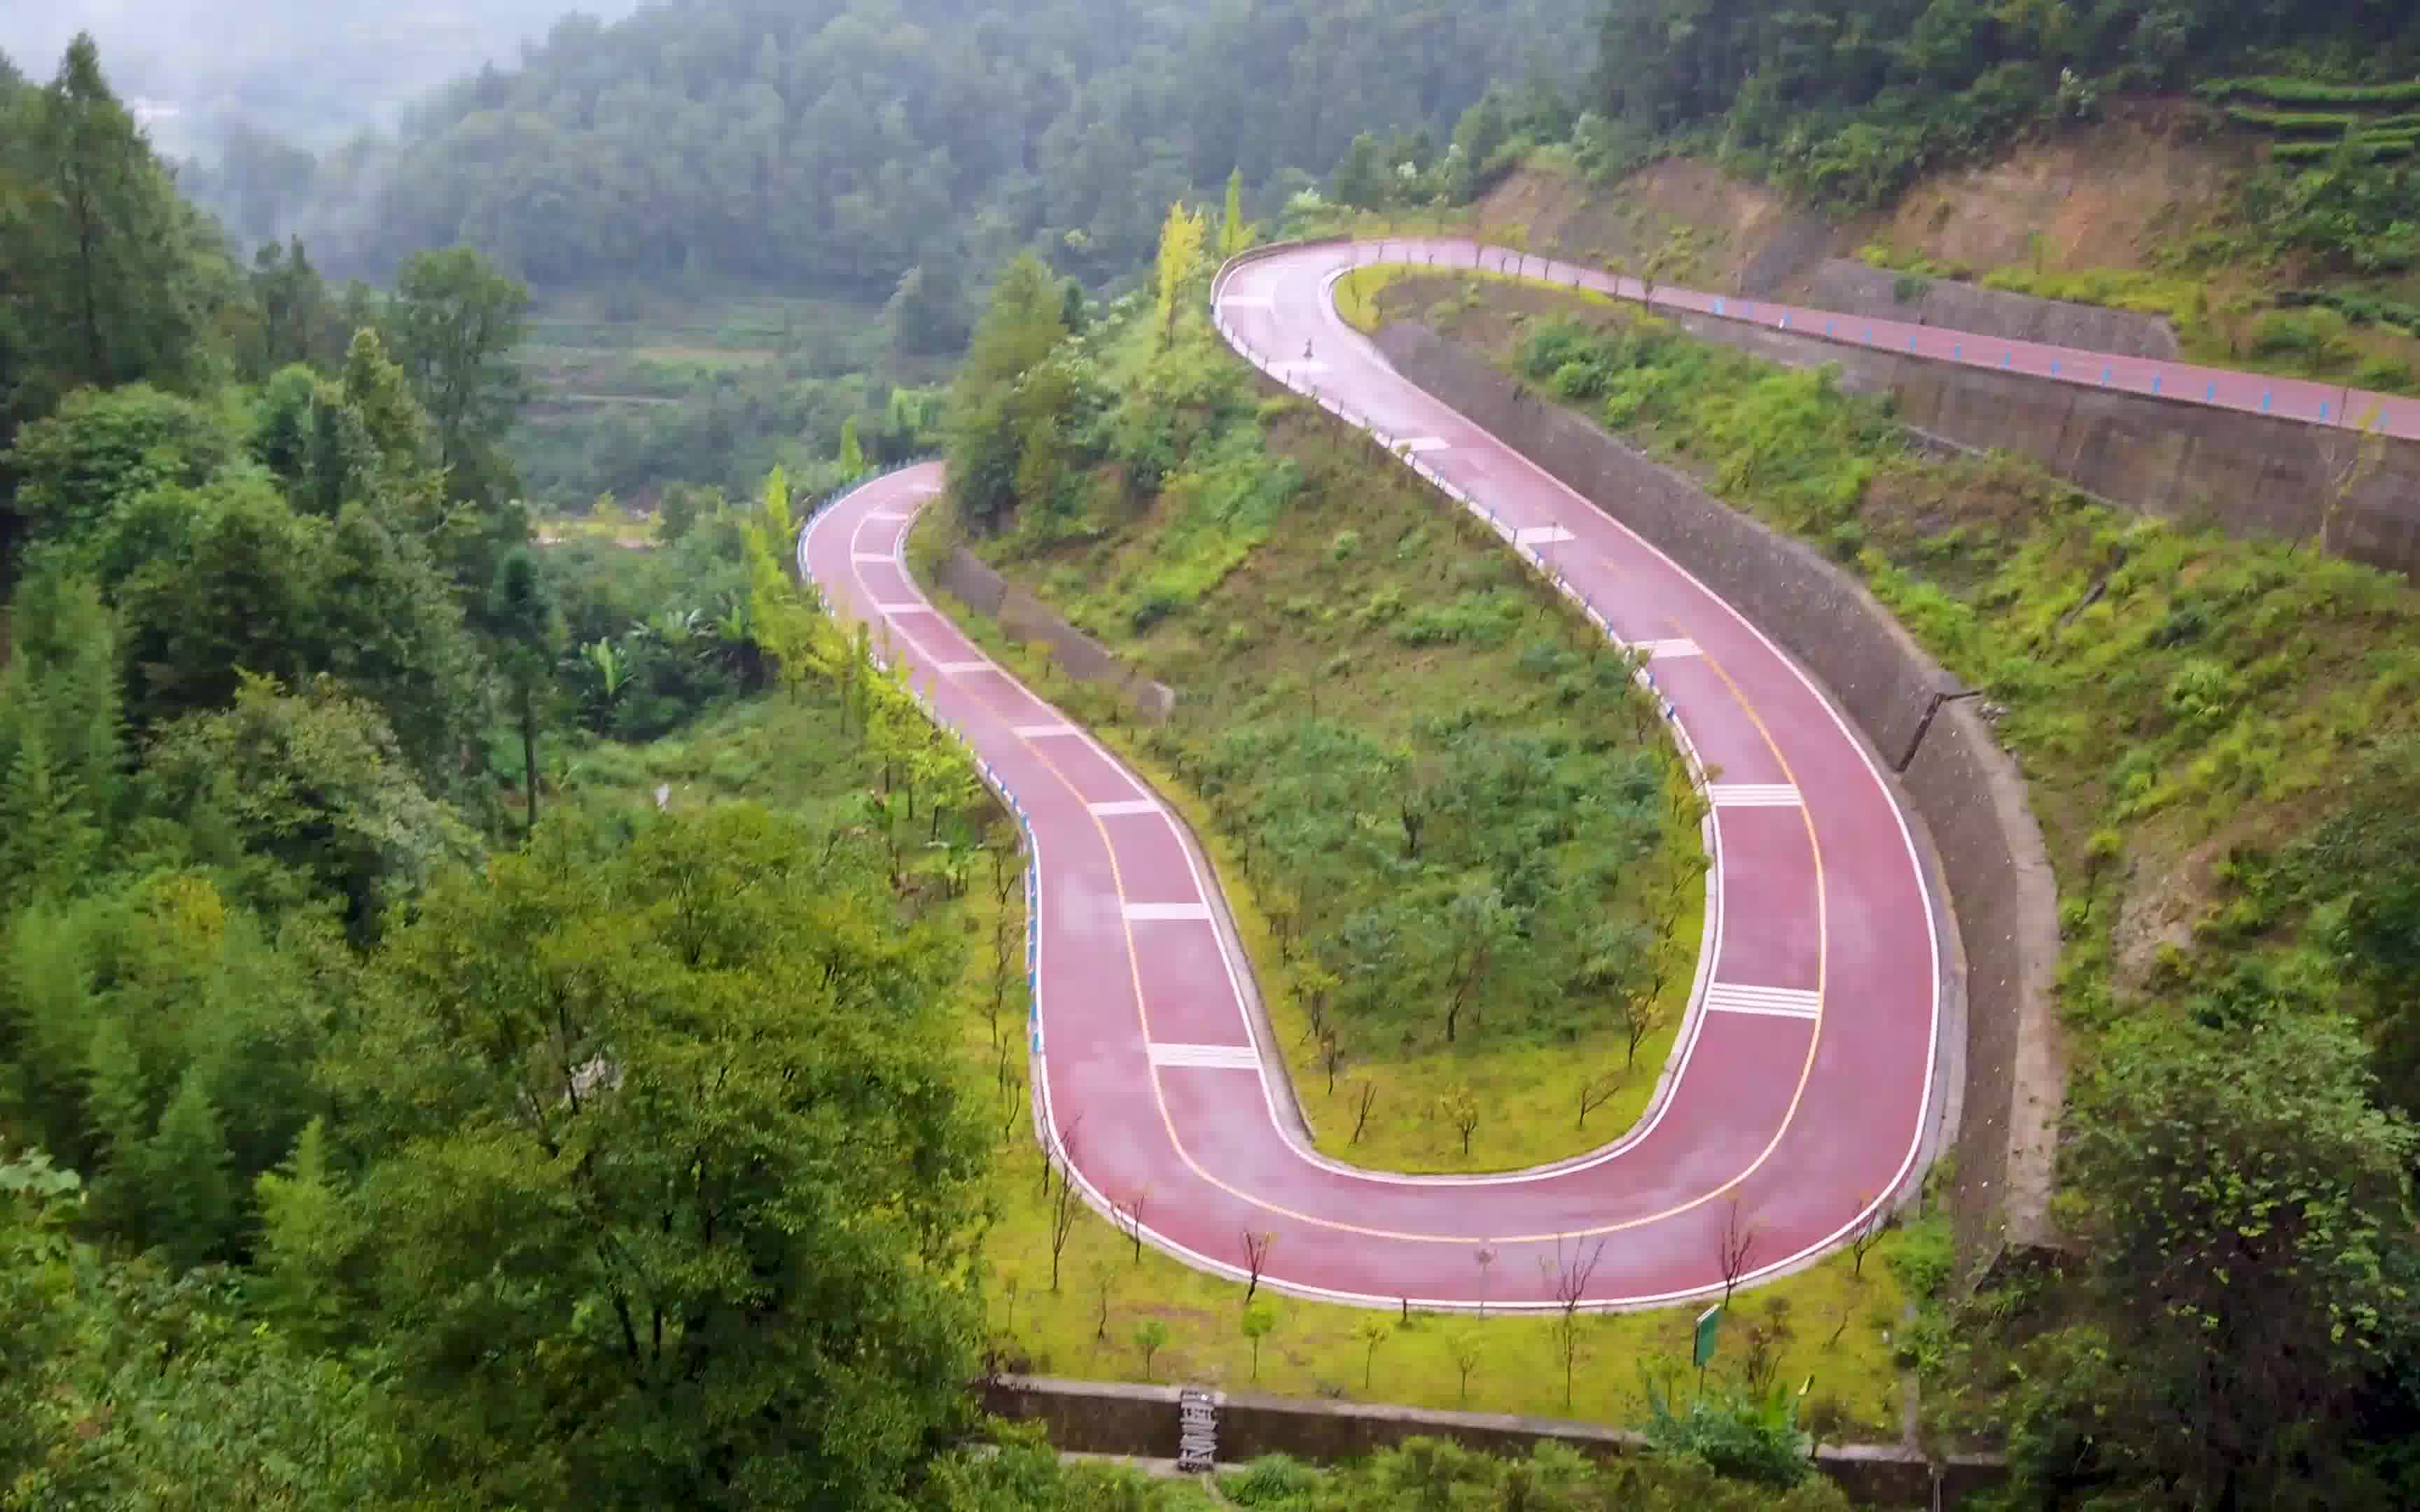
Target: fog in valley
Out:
[307,71]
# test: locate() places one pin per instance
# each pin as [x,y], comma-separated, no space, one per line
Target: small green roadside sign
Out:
[1710,1322]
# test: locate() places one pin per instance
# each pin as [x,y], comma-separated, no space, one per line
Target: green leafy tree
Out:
[656,1167]
[2248,1212]
[315,782]
[104,445]
[993,419]
[452,326]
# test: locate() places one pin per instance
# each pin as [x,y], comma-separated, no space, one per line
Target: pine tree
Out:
[308,1236]
[109,220]
[46,837]
[193,1207]
[117,1117]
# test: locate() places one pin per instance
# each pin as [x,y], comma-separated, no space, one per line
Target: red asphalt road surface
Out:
[1801,1088]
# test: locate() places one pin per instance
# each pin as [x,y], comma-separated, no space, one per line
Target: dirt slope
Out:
[2100,196]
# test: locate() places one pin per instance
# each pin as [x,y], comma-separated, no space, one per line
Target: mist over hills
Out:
[839,142]
[310,73]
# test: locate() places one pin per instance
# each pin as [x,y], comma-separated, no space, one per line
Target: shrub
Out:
[1752,1437]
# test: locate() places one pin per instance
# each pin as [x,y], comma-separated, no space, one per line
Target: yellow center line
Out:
[1168,1120]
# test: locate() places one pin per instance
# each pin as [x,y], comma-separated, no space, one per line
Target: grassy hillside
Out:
[1475,853]
[2218,735]
[1832,1323]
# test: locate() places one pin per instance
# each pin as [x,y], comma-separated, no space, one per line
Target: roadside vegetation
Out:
[2235,896]
[803,757]
[1473,853]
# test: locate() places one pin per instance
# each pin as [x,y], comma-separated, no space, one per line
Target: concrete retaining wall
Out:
[1846,287]
[2249,475]
[1961,786]
[1114,1417]
[1025,617]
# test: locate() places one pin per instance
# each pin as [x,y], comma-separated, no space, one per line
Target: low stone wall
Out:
[1961,786]
[2247,475]
[1025,618]
[1118,1418]
[1845,286]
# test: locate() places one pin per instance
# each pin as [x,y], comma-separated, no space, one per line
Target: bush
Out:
[1751,1438]
[1270,1481]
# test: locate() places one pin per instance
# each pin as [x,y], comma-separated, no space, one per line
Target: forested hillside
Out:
[1849,104]
[841,142]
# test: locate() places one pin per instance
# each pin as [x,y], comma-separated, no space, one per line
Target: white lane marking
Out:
[1125,806]
[903,609]
[1788,1002]
[1248,302]
[1168,911]
[1663,649]
[888,513]
[1753,796]
[1037,732]
[1226,1057]
[959,669]
[1540,535]
[882,557]
[1424,444]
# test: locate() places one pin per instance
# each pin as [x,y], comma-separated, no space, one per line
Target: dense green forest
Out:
[844,143]
[1847,105]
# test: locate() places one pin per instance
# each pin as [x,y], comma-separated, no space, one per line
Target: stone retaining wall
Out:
[1026,618]
[1119,1418]
[1961,786]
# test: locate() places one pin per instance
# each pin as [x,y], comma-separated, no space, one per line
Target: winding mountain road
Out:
[1804,1085]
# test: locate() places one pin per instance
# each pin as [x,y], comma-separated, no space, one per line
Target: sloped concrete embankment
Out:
[1025,618]
[1954,776]
[1845,286]
[2252,476]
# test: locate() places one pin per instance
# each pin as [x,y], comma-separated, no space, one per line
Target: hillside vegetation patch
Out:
[1474,853]
[2218,735]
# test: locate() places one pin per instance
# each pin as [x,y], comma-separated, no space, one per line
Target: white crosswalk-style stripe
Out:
[1423,443]
[959,669]
[1666,650]
[1167,910]
[1540,535]
[883,557]
[1125,806]
[903,609]
[1248,302]
[1039,731]
[1226,1057]
[1785,1002]
[1753,794]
